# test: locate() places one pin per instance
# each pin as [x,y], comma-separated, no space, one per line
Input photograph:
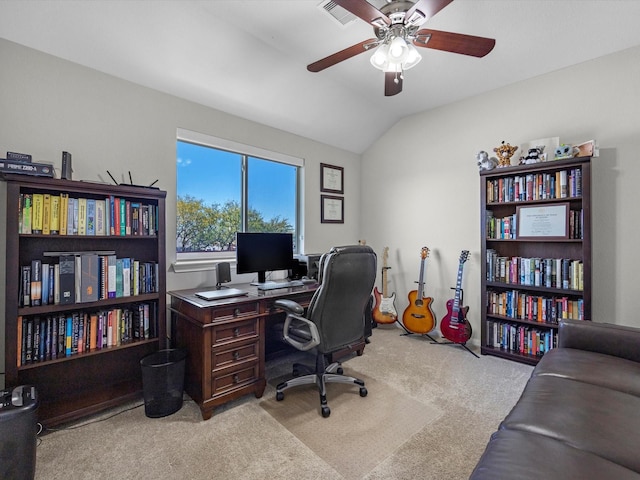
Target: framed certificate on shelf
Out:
[540,222]
[331,178]
[332,209]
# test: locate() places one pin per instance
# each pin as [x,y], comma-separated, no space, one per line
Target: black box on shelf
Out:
[26,168]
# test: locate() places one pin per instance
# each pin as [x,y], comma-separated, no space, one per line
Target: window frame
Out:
[191,261]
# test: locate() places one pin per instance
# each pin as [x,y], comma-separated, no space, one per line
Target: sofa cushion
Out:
[518,455]
[588,417]
[589,367]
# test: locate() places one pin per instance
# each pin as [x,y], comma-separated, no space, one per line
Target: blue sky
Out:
[213,176]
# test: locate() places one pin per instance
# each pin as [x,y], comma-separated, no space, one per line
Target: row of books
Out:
[535,186]
[521,339]
[47,338]
[562,273]
[535,308]
[48,214]
[506,228]
[86,277]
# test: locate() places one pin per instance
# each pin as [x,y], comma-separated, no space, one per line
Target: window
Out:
[224,187]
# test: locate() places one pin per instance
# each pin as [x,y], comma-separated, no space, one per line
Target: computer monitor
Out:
[262,252]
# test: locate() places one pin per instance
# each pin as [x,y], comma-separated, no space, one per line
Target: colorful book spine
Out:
[36,217]
[46,214]
[54,223]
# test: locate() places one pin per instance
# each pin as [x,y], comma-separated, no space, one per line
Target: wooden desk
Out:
[225,341]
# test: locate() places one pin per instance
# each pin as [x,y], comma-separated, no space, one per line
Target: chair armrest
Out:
[313,331]
[289,306]
[606,338]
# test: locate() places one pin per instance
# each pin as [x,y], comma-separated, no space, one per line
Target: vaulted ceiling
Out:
[249,57]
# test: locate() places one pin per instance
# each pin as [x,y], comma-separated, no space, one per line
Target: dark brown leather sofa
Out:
[579,414]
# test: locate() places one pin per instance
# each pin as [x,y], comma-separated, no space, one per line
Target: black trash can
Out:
[163,382]
[18,432]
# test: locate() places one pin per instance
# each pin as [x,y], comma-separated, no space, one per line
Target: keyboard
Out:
[275,285]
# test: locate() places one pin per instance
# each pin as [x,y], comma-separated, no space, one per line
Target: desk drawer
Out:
[240,330]
[234,353]
[223,383]
[237,310]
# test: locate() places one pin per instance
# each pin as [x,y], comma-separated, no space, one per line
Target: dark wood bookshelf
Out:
[71,387]
[564,248]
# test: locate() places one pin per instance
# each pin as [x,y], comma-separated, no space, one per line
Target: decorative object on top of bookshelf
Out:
[505,151]
[331,178]
[485,162]
[534,155]
[331,209]
[565,151]
[543,145]
[587,149]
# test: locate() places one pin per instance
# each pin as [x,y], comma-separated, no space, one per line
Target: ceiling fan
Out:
[397,29]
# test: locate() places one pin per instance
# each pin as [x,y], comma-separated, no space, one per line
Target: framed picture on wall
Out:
[331,178]
[331,209]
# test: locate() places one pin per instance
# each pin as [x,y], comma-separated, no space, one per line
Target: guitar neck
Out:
[384,281]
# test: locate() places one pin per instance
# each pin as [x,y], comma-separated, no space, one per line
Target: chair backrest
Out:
[347,276]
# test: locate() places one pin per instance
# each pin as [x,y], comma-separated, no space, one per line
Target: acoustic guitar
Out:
[454,326]
[418,317]
[384,310]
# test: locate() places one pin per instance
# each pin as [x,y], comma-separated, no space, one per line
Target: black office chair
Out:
[335,318]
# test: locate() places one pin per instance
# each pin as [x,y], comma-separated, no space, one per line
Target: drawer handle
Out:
[236,312]
[236,355]
[236,332]
[236,378]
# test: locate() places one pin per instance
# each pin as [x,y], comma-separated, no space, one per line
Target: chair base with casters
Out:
[324,373]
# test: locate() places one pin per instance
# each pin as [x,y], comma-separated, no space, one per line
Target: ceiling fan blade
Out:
[364,10]
[454,42]
[345,54]
[392,83]
[428,8]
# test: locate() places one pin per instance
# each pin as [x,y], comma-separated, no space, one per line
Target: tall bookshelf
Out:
[536,251]
[73,385]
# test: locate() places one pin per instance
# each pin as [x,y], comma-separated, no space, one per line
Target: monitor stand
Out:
[262,279]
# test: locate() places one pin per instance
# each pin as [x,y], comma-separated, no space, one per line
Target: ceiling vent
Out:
[339,14]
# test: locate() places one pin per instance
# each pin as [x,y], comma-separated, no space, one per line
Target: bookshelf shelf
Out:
[86,379]
[529,283]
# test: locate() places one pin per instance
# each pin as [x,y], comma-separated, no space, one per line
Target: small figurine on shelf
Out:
[484,162]
[534,155]
[505,152]
[565,151]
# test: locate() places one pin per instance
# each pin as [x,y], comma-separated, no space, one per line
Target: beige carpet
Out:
[242,441]
[369,429]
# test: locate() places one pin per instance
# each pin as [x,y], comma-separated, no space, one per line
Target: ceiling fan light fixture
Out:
[380,57]
[413,57]
[398,50]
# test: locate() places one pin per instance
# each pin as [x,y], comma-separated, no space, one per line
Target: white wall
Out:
[429,194]
[48,105]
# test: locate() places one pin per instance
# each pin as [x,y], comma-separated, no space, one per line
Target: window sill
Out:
[197,265]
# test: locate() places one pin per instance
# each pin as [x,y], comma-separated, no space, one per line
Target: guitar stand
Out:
[407,332]
[463,345]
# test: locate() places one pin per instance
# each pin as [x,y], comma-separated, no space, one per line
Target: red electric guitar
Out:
[454,326]
[384,310]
